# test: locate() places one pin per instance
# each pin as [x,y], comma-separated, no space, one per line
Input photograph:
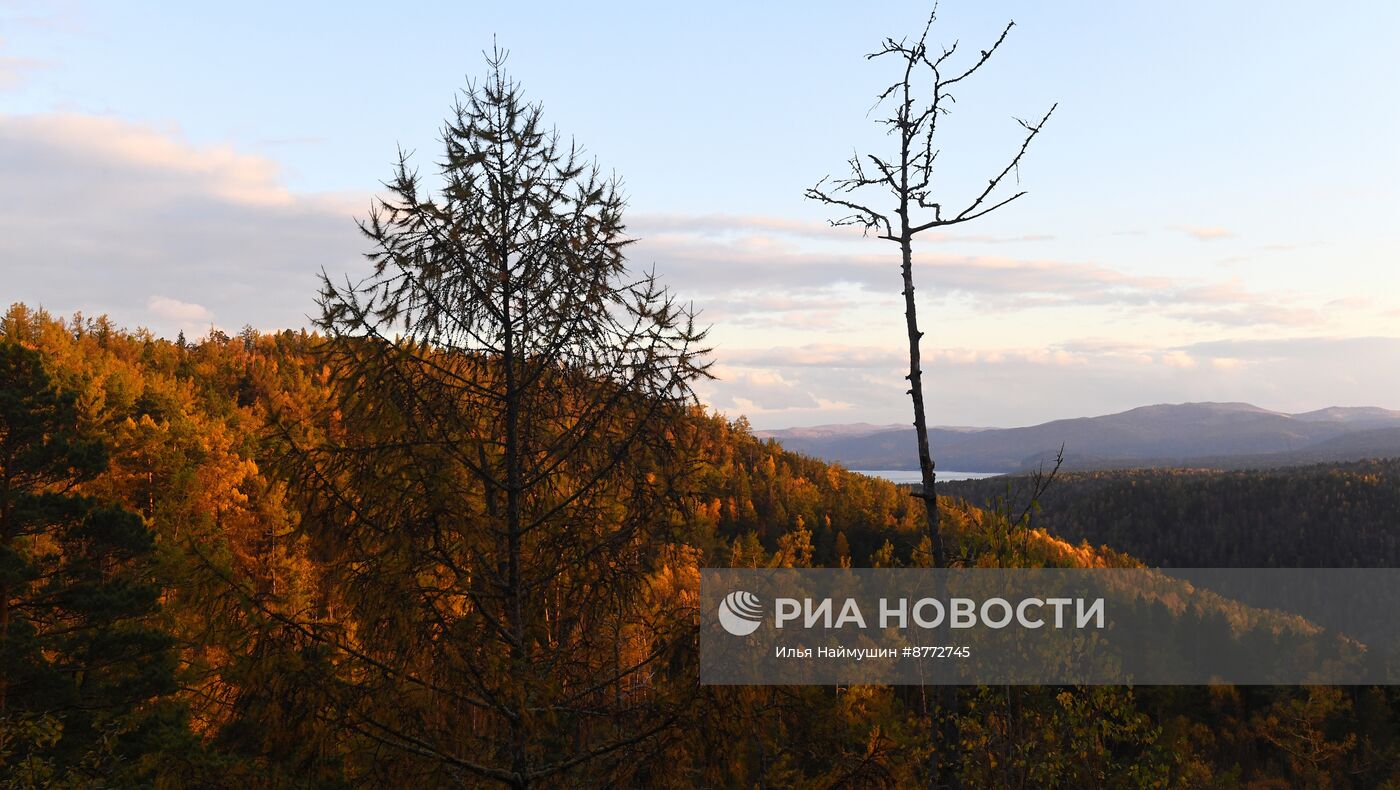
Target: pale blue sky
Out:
[1218,175]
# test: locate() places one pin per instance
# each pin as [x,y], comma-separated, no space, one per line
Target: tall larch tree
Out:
[491,479]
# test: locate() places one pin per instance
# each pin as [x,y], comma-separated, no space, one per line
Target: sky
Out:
[1211,212]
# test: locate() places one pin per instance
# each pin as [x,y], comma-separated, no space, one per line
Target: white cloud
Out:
[14,70]
[1178,359]
[820,355]
[187,315]
[756,390]
[713,225]
[103,215]
[100,212]
[1032,385]
[778,276]
[1205,232]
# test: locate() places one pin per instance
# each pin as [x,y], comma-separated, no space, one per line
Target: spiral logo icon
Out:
[740,613]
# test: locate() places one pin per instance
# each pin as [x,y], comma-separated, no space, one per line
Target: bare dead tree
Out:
[921,96]
[907,177]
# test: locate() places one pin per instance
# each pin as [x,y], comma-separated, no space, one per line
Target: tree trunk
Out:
[943,771]
[513,452]
[916,393]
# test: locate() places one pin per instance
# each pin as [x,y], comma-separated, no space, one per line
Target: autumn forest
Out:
[450,536]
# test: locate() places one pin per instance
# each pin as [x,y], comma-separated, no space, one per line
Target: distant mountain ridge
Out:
[1224,435]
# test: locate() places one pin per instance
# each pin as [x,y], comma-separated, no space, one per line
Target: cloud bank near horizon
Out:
[812,385]
[107,216]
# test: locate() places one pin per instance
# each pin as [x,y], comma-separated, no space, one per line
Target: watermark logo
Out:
[740,613]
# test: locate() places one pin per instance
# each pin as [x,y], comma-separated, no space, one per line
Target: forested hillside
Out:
[1324,516]
[453,538]
[244,662]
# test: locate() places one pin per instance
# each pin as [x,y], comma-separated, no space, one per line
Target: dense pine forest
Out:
[172,620]
[1326,516]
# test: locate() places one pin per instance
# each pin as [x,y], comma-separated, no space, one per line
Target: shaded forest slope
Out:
[1327,515]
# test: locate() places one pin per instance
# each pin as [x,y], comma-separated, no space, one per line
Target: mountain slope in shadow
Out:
[1187,434]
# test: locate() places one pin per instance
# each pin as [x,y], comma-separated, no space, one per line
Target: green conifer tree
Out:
[84,674]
